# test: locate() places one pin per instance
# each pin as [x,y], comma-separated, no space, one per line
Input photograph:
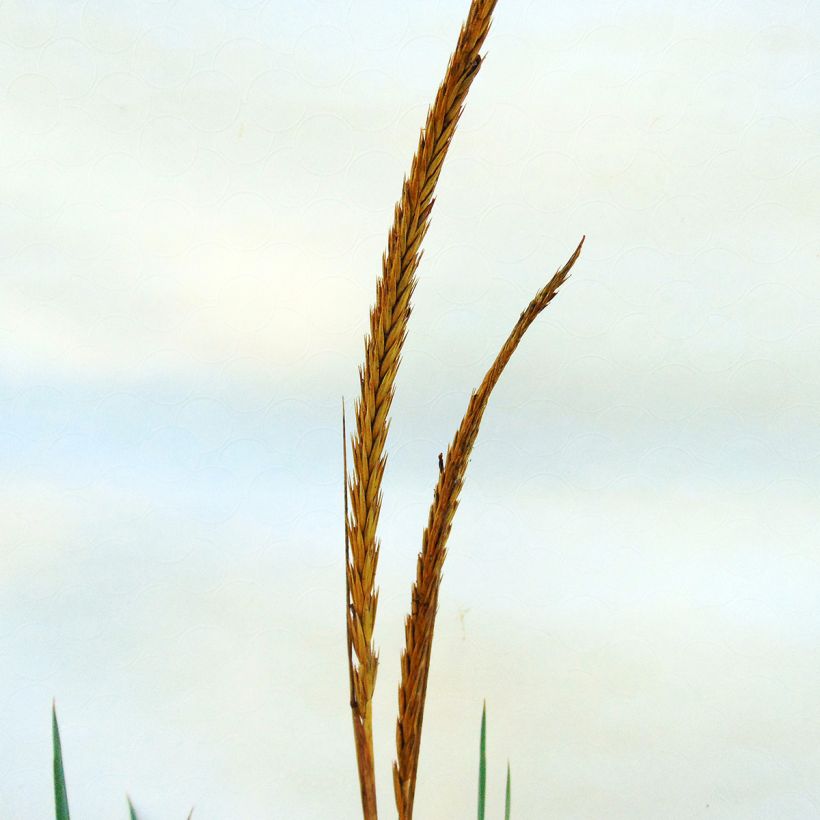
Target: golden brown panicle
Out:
[388,328]
[415,661]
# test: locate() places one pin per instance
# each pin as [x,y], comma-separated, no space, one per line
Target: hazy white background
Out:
[194,200]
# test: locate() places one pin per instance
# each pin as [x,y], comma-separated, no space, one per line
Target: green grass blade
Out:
[482,765]
[508,795]
[60,793]
[132,814]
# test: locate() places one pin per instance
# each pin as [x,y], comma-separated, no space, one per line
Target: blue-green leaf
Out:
[60,793]
[508,795]
[482,764]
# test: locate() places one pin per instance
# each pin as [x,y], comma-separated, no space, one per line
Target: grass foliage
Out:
[60,791]
[482,774]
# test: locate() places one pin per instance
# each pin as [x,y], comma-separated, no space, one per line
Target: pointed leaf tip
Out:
[60,791]
[482,765]
[507,795]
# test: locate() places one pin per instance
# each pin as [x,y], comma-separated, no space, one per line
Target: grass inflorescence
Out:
[363,488]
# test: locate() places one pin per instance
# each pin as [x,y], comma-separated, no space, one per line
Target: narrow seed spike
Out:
[388,323]
[420,624]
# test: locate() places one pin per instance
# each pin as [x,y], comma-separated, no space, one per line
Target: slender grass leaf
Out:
[508,795]
[132,814]
[60,793]
[482,764]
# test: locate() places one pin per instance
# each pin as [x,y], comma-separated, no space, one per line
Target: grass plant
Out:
[384,341]
[363,488]
[383,346]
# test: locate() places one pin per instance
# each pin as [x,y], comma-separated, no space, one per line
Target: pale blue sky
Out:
[195,199]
